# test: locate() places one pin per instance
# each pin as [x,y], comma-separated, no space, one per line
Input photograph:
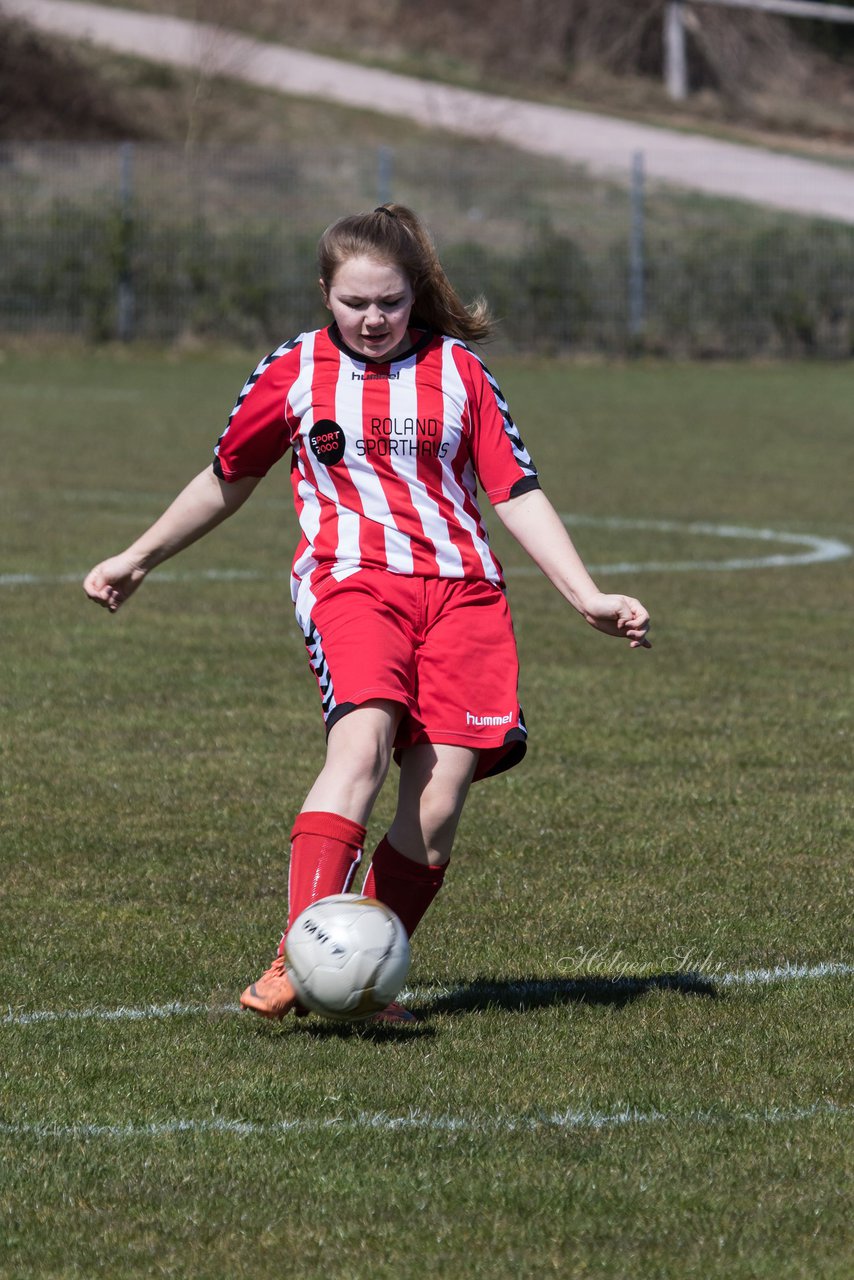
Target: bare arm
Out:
[201,506]
[538,528]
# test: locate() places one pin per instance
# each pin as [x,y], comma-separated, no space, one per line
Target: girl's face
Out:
[370,301]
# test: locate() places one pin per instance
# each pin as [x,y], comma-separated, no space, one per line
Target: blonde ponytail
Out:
[394,233]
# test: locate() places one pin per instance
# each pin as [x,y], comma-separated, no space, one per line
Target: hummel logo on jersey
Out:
[327,441]
[479,721]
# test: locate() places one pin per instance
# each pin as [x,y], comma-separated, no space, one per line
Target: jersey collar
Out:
[424,336]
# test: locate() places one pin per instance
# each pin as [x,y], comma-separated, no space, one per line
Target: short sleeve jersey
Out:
[386,456]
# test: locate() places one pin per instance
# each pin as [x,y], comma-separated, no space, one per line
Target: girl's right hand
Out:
[111,582]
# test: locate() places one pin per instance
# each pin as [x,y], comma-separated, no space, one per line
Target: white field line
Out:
[122,1014]
[686,980]
[818,550]
[415,1119]
[784,973]
[575,984]
[814,550]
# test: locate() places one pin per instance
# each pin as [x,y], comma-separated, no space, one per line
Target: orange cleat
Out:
[394,1013]
[273,995]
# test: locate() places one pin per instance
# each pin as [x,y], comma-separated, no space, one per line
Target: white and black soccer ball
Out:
[347,956]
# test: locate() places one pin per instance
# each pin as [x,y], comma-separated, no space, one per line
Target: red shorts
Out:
[443,647]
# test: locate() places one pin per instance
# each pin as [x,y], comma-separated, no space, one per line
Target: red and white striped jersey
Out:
[387,456]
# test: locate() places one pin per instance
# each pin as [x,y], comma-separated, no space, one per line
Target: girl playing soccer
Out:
[392,421]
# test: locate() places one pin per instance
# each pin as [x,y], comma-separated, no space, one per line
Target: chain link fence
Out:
[144,242]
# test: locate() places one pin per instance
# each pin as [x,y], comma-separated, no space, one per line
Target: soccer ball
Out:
[347,956]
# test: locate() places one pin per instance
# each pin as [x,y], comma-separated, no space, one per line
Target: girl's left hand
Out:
[619,616]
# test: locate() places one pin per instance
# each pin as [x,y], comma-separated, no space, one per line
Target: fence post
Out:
[675,62]
[637,250]
[385,173]
[124,297]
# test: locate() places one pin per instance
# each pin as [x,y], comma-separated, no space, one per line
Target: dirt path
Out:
[602,144]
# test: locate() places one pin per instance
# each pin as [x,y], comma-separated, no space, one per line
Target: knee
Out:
[369,761]
[433,787]
[362,759]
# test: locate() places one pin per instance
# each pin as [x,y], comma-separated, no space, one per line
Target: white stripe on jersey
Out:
[347,522]
[348,408]
[302,570]
[454,390]
[403,405]
[347,552]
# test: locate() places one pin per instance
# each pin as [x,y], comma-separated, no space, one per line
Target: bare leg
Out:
[327,838]
[434,783]
[408,866]
[358,752]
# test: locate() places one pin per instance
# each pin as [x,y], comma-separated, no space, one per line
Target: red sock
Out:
[326,850]
[407,887]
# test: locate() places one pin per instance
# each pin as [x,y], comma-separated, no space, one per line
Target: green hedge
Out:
[784,290]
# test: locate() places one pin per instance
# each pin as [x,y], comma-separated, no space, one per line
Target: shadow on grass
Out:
[380,1033]
[519,994]
[316,1028]
[515,995]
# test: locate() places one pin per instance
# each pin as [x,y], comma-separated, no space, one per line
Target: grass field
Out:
[607,1078]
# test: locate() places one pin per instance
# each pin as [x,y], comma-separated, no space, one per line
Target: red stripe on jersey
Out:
[465,476]
[303,473]
[351,409]
[378,409]
[342,533]
[482,559]
[431,465]
[324,540]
